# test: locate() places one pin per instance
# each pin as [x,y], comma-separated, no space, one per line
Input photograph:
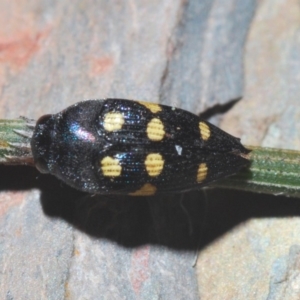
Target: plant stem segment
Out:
[272,171]
[15,138]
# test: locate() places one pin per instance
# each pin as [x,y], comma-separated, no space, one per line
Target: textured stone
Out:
[57,243]
[256,254]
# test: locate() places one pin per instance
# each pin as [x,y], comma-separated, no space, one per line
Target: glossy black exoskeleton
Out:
[117,146]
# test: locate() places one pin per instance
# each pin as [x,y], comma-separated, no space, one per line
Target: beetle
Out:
[118,146]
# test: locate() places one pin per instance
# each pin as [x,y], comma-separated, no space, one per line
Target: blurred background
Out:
[57,243]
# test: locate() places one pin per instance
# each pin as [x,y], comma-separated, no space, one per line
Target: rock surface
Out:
[57,243]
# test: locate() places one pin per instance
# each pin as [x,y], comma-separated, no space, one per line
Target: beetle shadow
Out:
[186,222]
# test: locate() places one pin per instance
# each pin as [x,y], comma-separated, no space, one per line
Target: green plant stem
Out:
[271,171]
[15,138]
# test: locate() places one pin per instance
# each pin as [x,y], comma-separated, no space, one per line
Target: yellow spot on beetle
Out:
[204,131]
[146,190]
[202,172]
[154,164]
[155,130]
[110,167]
[153,107]
[113,121]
